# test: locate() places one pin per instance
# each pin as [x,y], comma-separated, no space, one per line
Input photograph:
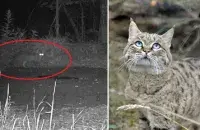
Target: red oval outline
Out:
[40,41]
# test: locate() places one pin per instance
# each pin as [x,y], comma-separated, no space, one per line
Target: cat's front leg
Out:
[143,122]
[158,122]
[143,125]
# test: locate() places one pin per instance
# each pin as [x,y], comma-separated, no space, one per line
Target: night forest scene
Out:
[53,63]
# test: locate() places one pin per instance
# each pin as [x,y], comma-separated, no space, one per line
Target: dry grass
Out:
[71,118]
[161,111]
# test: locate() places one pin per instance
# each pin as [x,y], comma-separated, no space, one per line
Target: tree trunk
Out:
[82,23]
[57,26]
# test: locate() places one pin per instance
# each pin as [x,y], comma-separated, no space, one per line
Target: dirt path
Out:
[78,86]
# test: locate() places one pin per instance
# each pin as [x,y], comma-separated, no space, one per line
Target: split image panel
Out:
[53,64]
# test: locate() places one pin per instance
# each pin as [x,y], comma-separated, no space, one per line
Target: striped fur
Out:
[175,86]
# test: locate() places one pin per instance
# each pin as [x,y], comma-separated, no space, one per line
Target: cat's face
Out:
[148,53]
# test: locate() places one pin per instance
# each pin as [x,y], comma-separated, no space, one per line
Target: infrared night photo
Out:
[53,63]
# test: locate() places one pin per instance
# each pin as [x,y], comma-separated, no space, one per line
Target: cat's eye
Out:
[138,44]
[156,46]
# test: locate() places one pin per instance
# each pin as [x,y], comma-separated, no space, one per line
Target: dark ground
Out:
[80,86]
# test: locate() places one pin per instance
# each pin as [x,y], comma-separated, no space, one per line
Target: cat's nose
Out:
[146,51]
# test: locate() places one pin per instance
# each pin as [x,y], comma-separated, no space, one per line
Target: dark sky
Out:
[23,15]
[42,17]
[20,8]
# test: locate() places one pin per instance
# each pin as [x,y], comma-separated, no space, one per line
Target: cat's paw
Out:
[143,124]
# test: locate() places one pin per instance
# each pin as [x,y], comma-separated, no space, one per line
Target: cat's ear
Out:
[133,29]
[167,37]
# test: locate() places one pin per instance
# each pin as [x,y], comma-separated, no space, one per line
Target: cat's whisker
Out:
[121,58]
[130,65]
[136,57]
[133,62]
[138,54]
[122,65]
[126,63]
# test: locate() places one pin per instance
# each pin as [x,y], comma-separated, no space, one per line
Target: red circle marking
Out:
[40,41]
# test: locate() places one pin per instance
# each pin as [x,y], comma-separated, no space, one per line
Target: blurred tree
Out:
[81,20]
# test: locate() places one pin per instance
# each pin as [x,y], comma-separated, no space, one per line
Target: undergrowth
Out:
[10,32]
[43,118]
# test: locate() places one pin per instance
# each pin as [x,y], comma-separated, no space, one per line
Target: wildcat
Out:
[154,78]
